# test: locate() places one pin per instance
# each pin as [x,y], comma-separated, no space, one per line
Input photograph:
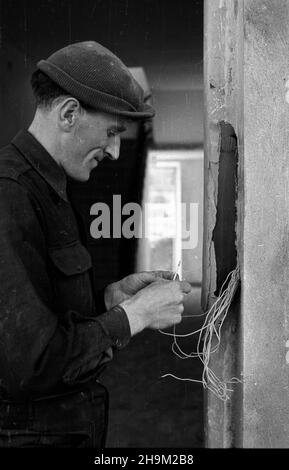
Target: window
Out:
[173,201]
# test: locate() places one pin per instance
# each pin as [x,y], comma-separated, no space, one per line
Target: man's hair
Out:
[46,91]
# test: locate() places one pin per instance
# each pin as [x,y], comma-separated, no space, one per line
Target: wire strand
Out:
[211,328]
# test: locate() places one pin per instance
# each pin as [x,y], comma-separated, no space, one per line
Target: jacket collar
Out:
[41,161]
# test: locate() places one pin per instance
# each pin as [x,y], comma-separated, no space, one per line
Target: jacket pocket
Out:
[71,260]
[69,274]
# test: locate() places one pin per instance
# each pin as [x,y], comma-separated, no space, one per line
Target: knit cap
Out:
[94,75]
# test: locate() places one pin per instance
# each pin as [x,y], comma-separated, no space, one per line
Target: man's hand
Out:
[124,289]
[159,305]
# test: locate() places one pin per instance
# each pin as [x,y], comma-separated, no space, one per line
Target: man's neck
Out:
[41,129]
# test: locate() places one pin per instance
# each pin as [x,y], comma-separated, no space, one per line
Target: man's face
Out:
[94,137]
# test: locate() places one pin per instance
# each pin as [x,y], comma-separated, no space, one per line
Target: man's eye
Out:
[111,133]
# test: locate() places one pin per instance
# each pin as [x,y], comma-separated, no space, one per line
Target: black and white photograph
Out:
[144,228]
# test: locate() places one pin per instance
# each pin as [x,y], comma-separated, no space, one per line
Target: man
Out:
[56,332]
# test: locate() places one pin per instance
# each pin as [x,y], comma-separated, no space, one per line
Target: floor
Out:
[147,410]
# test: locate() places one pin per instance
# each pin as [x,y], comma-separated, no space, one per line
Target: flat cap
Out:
[94,75]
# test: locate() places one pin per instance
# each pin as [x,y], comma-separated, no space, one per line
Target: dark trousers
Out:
[74,419]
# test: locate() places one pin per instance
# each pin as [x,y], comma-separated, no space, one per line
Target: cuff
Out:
[116,325]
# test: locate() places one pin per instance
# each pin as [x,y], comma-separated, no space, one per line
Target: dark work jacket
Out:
[52,336]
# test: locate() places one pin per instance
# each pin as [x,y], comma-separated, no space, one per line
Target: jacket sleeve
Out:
[38,347]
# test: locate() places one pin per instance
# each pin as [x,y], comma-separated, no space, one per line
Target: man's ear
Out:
[69,110]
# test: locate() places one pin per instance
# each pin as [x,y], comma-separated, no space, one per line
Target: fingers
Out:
[178,316]
[163,323]
[181,309]
[147,277]
[178,319]
[167,275]
[185,287]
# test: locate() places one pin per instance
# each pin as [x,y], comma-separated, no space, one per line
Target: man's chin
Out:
[81,178]
[84,178]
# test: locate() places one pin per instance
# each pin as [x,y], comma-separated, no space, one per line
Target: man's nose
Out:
[113,148]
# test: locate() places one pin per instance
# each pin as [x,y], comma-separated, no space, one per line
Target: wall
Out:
[179,117]
[223,85]
[247,68]
[266,221]
[139,32]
